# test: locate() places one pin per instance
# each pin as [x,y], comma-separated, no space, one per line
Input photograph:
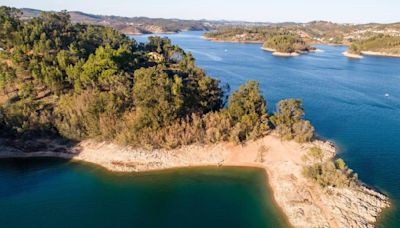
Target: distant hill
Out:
[131,25]
[312,32]
[145,25]
[316,31]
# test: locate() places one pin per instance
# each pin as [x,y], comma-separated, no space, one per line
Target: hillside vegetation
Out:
[129,25]
[278,39]
[312,32]
[78,81]
[287,43]
[381,43]
[256,34]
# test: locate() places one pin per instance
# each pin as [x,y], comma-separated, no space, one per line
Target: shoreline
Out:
[382,54]
[370,53]
[231,41]
[352,56]
[280,54]
[302,202]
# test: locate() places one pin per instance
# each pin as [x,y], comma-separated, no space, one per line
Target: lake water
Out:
[55,193]
[355,103]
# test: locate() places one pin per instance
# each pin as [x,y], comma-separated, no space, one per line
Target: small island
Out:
[287,45]
[89,93]
[240,35]
[280,42]
[293,39]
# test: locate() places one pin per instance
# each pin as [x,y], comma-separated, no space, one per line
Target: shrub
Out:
[303,131]
[331,174]
[248,111]
[218,126]
[289,123]
[262,153]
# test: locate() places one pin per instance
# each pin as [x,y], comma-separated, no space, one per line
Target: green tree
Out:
[247,101]
[289,123]
[157,97]
[9,25]
[7,77]
[248,112]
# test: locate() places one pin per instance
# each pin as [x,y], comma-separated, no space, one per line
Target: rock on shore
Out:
[304,203]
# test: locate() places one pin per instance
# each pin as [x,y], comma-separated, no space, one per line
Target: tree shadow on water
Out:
[28,162]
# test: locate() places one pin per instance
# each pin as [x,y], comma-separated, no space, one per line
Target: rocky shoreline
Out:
[304,203]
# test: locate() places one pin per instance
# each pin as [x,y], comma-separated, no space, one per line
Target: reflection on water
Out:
[53,193]
[345,99]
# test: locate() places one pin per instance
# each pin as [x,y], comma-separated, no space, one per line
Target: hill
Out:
[127,25]
[312,32]
[384,45]
[80,81]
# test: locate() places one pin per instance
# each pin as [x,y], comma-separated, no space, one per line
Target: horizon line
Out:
[205,19]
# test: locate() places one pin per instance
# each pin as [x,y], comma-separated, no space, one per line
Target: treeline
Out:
[129,25]
[254,34]
[84,81]
[279,39]
[380,43]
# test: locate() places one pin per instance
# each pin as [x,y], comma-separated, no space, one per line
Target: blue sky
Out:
[353,11]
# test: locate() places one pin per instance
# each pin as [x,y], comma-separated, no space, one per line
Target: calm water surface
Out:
[355,103]
[51,193]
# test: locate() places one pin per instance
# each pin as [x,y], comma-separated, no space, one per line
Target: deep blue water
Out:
[355,103]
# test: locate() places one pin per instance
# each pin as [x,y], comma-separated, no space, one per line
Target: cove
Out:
[58,193]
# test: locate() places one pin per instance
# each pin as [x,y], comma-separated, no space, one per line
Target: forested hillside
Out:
[129,25]
[312,32]
[287,43]
[382,43]
[80,81]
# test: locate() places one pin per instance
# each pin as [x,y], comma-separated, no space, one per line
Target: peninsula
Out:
[287,45]
[278,41]
[304,202]
[293,39]
[315,32]
[380,45]
[90,93]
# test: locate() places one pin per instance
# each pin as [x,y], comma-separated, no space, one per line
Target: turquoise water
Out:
[54,193]
[355,103]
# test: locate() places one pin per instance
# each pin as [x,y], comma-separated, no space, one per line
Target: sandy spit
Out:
[352,56]
[304,203]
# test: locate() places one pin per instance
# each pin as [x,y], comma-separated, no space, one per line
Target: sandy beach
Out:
[304,203]
[370,53]
[383,54]
[352,56]
[284,54]
[280,54]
